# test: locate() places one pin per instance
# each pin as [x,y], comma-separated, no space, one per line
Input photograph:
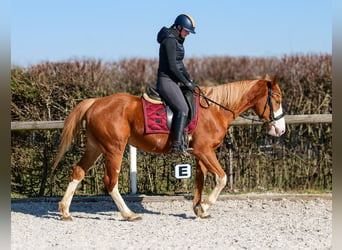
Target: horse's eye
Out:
[278,102]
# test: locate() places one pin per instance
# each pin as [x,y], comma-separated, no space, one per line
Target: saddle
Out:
[158,115]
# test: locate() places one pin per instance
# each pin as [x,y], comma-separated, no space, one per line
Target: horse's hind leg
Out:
[111,180]
[78,173]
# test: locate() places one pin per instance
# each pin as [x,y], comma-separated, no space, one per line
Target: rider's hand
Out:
[190,85]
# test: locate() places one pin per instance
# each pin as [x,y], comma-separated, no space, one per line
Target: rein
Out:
[207,100]
[268,102]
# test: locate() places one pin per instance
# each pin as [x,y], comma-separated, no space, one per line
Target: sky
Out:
[111,30]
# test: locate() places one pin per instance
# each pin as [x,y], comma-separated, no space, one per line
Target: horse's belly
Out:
[154,143]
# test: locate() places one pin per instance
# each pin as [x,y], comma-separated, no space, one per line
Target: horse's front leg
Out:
[111,177]
[211,163]
[201,172]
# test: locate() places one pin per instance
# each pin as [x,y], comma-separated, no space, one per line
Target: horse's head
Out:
[269,108]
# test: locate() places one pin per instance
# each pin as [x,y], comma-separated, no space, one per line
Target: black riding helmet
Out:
[186,21]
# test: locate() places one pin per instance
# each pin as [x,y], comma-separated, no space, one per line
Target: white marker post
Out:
[133,168]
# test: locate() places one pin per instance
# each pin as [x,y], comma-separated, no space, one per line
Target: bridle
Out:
[272,118]
[270,95]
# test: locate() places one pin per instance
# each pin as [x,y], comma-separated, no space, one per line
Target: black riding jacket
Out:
[171,54]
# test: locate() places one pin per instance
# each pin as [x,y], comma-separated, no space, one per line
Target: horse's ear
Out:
[267,77]
[275,79]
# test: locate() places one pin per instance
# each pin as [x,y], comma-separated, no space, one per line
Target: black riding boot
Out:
[179,122]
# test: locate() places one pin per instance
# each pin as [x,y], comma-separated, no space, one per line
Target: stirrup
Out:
[181,150]
[178,149]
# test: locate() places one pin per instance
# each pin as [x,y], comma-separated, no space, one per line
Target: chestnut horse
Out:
[115,120]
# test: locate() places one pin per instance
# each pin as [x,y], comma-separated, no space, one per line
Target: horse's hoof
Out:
[205,216]
[66,218]
[200,213]
[133,217]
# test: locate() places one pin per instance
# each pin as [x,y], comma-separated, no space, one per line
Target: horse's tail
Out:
[72,126]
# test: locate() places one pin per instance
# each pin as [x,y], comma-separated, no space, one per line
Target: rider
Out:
[172,74]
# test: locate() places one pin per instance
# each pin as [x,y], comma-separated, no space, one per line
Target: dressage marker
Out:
[183,171]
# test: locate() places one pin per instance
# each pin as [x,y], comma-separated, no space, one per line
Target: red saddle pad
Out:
[155,118]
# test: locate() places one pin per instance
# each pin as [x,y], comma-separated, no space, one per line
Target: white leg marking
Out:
[64,205]
[120,203]
[220,183]
[211,199]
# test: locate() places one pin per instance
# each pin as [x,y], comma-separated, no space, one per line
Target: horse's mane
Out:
[229,94]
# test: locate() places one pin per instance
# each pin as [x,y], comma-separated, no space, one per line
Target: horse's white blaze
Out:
[120,203]
[278,127]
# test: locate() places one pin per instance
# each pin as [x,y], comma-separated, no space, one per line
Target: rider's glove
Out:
[190,85]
